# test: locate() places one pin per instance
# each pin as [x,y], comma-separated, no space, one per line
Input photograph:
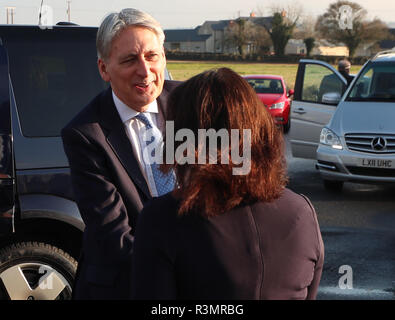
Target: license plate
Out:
[376,163]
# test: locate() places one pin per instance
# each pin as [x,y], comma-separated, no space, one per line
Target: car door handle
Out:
[300,111]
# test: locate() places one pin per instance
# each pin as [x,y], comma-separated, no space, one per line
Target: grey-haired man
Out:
[110,178]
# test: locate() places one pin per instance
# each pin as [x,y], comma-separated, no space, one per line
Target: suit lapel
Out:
[119,141]
[117,137]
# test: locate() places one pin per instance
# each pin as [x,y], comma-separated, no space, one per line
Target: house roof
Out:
[191,35]
[185,35]
[220,25]
[387,44]
[262,21]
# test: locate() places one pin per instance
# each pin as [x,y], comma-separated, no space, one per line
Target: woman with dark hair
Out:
[222,235]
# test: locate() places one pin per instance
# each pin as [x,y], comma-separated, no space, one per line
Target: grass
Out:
[183,70]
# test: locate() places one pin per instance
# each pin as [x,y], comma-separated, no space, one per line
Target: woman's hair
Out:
[115,22]
[221,99]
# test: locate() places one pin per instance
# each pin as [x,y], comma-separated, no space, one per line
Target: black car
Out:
[46,76]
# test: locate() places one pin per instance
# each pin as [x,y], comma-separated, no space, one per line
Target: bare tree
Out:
[244,33]
[305,27]
[260,40]
[292,12]
[305,30]
[237,35]
[345,22]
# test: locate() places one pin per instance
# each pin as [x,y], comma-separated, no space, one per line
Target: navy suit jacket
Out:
[110,191]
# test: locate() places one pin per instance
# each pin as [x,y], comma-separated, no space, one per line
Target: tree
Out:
[309,43]
[260,40]
[280,32]
[237,35]
[305,27]
[345,22]
[244,33]
[306,31]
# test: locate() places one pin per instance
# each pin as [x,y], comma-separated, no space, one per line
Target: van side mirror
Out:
[291,92]
[331,98]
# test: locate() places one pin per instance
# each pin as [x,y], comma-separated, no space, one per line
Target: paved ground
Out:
[358,228]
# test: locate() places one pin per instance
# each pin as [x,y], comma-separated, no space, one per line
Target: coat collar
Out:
[109,115]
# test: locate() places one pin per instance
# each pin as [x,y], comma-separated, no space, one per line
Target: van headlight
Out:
[279,105]
[329,138]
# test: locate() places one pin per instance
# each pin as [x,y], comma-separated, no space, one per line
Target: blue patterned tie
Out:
[164,182]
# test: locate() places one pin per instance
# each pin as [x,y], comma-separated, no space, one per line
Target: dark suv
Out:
[46,77]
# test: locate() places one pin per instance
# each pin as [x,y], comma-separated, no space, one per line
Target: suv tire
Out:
[36,271]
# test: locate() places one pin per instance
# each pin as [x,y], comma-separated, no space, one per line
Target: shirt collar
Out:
[126,113]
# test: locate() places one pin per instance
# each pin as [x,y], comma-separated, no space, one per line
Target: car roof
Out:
[32,31]
[385,56]
[263,76]
[36,26]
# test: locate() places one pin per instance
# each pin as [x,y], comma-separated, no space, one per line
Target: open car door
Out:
[318,89]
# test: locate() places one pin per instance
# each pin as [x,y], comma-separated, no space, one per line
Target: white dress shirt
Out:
[134,128]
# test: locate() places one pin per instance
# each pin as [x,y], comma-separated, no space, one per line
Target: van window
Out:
[53,74]
[376,83]
[319,80]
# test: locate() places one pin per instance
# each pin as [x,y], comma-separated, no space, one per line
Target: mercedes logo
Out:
[379,143]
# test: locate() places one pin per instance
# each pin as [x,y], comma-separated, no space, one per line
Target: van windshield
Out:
[375,83]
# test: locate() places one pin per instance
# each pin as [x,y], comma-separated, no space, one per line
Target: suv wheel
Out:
[333,185]
[36,271]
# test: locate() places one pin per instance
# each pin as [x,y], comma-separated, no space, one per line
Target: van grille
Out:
[371,143]
[373,172]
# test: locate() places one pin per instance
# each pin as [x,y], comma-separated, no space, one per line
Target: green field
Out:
[182,70]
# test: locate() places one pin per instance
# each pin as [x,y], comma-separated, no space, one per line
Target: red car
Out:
[272,91]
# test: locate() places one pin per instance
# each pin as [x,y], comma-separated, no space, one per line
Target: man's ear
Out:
[102,66]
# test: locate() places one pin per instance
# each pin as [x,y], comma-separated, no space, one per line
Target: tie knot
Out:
[143,118]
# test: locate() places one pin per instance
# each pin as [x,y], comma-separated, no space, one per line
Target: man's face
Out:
[345,70]
[135,67]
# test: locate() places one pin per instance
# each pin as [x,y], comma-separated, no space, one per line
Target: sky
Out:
[175,14]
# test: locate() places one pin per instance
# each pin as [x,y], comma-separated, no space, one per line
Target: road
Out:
[358,229]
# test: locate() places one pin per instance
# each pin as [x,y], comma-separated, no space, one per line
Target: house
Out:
[185,40]
[367,50]
[340,51]
[389,43]
[210,37]
[324,48]
[216,30]
[295,46]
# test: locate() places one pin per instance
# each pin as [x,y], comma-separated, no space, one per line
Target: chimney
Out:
[10,14]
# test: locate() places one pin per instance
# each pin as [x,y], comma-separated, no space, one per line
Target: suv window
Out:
[47,73]
[5,126]
[376,83]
